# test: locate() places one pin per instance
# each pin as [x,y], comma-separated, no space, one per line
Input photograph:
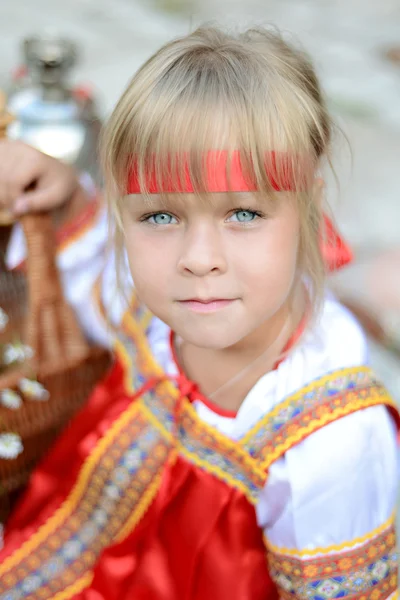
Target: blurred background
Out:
[356,48]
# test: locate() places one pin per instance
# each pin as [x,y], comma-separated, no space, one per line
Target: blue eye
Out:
[161,219]
[244,216]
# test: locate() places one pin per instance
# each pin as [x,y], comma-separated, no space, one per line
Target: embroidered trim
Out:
[228,462]
[75,588]
[321,402]
[114,489]
[134,354]
[366,572]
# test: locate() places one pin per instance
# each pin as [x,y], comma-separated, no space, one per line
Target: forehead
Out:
[187,200]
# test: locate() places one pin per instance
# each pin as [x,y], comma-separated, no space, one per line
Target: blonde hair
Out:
[212,90]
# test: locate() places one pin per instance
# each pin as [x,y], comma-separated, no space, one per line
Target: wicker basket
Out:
[62,361]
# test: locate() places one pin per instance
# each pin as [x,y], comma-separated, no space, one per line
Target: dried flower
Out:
[33,389]
[10,399]
[10,445]
[16,353]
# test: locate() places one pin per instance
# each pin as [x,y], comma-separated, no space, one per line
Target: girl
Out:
[240,447]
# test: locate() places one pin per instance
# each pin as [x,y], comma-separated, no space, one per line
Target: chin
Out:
[211,337]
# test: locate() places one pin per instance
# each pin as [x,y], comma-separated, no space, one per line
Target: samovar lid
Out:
[49,57]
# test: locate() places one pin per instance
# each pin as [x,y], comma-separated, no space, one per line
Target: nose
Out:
[202,251]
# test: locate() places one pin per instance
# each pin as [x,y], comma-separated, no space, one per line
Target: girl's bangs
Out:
[193,147]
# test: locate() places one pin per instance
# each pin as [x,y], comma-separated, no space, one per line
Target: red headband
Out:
[223,173]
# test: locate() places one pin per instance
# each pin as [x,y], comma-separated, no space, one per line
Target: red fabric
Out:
[335,251]
[198,539]
[224,172]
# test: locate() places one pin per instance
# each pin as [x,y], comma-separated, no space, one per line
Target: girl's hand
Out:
[32,181]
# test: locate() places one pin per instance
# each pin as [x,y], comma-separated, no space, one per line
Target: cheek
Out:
[271,254]
[269,264]
[148,262]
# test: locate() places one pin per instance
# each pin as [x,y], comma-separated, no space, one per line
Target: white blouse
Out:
[338,487]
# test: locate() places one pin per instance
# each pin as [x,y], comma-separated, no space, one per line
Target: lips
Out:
[206,305]
[207,300]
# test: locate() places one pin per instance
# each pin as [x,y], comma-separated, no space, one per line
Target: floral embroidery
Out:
[368,570]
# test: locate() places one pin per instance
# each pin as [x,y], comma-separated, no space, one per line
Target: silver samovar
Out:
[49,114]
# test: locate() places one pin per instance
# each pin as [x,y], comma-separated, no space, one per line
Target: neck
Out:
[227,375]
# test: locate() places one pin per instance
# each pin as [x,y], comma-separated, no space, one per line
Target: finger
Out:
[15,178]
[37,200]
[6,216]
[6,168]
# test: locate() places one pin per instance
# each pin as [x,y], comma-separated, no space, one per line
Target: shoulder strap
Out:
[317,404]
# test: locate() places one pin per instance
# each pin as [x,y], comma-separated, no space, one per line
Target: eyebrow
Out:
[140,202]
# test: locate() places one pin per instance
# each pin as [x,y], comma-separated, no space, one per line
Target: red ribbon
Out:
[336,252]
